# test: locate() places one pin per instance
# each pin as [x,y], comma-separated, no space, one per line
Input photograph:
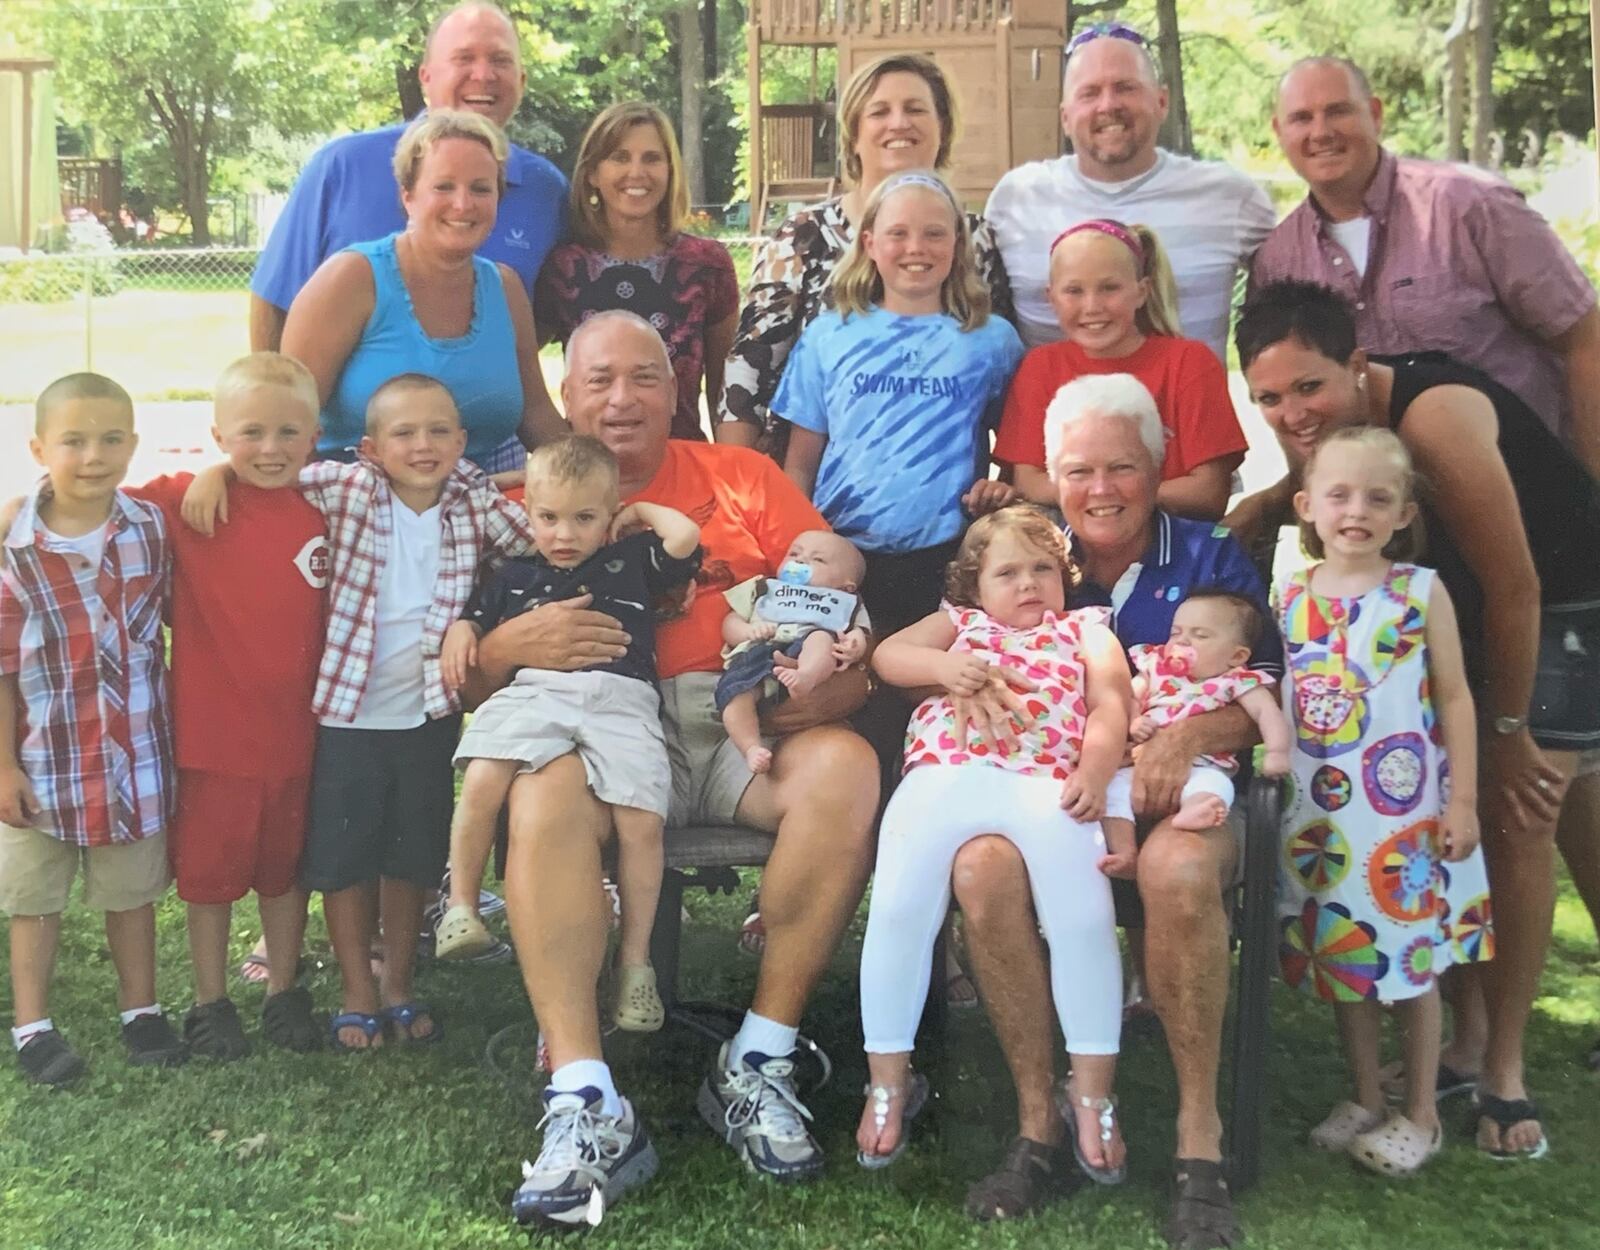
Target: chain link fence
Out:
[161,321]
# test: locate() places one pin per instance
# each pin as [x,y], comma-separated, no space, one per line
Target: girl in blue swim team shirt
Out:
[888,394]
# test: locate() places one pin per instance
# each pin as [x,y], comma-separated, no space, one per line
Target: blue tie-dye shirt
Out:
[902,402]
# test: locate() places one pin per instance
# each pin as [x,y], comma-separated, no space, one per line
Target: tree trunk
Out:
[691,77]
[708,36]
[1455,83]
[409,88]
[1175,135]
[197,195]
[1482,80]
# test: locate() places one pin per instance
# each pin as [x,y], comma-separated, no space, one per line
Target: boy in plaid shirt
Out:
[408,526]
[85,737]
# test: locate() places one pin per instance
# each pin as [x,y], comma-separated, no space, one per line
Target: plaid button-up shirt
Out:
[478,523]
[95,733]
[1457,263]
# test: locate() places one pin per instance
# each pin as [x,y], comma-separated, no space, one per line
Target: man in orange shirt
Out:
[818,800]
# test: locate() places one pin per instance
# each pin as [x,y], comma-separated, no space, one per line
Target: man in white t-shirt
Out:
[1210,216]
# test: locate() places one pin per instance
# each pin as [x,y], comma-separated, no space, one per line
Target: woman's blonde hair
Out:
[1159,315]
[853,103]
[604,136]
[857,284]
[433,128]
[1407,542]
[1031,527]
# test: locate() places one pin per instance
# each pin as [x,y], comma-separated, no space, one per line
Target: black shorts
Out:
[1565,712]
[380,805]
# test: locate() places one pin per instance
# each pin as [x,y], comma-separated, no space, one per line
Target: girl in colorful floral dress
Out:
[1383,886]
[1052,789]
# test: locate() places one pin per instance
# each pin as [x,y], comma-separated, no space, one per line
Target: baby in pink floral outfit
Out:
[1200,669]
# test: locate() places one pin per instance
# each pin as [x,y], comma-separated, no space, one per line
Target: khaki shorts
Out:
[709,775]
[613,723]
[36,872]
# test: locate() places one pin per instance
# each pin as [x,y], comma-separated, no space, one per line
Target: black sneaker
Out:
[46,1059]
[588,1161]
[152,1043]
[213,1030]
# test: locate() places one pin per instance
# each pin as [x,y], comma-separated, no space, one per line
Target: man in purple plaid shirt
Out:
[409,524]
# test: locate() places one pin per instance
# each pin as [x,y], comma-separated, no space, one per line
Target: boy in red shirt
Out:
[247,617]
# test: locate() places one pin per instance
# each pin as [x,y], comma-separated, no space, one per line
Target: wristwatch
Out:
[1505,726]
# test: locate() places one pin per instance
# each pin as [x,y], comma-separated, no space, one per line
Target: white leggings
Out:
[937,809]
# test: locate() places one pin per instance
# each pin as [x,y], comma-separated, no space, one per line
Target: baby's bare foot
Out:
[796,682]
[759,759]
[1201,812]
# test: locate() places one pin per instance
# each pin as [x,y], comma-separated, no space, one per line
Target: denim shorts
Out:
[1565,711]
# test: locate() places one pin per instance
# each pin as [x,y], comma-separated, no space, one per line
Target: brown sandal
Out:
[1032,1175]
[1202,1215]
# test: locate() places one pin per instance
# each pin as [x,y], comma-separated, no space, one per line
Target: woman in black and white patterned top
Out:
[895,114]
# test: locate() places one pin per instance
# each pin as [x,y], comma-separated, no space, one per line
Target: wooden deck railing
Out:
[811,20]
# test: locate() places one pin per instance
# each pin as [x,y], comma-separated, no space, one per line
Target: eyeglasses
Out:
[1104,30]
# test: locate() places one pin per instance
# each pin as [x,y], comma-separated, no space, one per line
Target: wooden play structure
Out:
[1002,57]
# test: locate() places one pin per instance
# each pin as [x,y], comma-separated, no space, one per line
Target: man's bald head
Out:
[473,61]
[1112,107]
[1360,85]
[1329,125]
[619,387]
[611,323]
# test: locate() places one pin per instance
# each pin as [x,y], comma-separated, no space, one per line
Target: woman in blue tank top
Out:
[422,301]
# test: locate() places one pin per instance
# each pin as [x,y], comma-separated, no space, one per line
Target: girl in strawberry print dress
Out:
[1050,785]
[1382,887]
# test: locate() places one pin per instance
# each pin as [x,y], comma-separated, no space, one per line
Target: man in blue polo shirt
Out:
[347,192]
[1104,445]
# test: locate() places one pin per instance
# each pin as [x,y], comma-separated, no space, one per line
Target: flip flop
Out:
[1105,1111]
[916,1098]
[1447,1084]
[957,997]
[1506,1114]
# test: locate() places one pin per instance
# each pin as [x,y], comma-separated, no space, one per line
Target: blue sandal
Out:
[403,1015]
[368,1024]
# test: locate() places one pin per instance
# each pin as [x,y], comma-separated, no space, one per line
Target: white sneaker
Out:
[589,1160]
[755,1108]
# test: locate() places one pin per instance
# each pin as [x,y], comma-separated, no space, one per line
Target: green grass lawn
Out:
[422,1148]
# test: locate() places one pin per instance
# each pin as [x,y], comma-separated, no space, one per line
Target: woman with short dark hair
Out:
[1513,524]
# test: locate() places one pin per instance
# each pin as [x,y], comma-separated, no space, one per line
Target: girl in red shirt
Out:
[1114,296]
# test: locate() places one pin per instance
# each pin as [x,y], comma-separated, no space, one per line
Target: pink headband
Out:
[1116,230]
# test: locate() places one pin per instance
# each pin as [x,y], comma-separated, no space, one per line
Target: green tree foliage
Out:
[1543,74]
[190,82]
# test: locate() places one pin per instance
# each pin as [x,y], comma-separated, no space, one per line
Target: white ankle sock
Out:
[23,1032]
[569,1078]
[763,1036]
[133,1013]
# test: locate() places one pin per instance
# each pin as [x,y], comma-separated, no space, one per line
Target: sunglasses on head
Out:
[1104,30]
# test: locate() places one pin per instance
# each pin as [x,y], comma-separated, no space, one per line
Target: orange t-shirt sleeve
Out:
[1021,436]
[778,512]
[1204,424]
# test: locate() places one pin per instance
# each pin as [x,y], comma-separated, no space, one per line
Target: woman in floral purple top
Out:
[629,251]
[895,114]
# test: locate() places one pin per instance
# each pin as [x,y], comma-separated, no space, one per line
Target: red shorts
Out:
[237,834]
